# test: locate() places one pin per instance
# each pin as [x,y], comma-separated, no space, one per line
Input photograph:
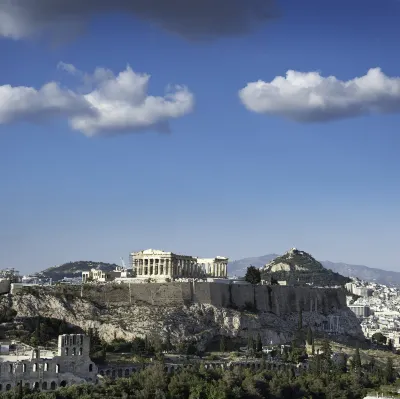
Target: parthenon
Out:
[160,265]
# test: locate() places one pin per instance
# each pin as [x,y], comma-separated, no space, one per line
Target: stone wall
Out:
[277,299]
[5,285]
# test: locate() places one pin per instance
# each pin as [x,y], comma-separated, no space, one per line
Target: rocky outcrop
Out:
[195,322]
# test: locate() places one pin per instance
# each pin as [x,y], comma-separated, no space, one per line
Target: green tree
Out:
[222,344]
[253,275]
[300,325]
[326,356]
[389,373]
[326,349]
[357,358]
[379,338]
[310,338]
[259,343]
[250,343]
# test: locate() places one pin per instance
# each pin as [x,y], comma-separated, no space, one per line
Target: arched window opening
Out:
[90,367]
[57,368]
[44,386]
[80,351]
[53,386]
[10,368]
[73,351]
[66,351]
[8,387]
[46,367]
[63,383]
[24,367]
[35,367]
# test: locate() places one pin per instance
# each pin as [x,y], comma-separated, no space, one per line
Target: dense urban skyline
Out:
[223,165]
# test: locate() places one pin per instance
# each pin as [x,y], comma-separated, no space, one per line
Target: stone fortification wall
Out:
[277,299]
[5,284]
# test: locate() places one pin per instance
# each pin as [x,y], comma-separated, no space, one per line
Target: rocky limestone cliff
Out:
[196,322]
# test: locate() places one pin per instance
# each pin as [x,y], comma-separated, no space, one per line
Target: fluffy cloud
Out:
[309,97]
[189,18]
[113,104]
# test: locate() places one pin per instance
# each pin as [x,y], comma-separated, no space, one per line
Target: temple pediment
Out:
[153,252]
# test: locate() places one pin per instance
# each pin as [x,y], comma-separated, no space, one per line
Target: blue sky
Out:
[224,181]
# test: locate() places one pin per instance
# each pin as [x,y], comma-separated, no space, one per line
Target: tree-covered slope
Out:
[74,269]
[299,268]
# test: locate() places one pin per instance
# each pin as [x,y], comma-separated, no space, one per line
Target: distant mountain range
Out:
[238,268]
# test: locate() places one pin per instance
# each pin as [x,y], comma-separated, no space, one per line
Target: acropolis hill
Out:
[188,311]
[187,299]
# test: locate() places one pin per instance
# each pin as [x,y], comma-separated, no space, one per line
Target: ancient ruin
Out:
[47,369]
[160,265]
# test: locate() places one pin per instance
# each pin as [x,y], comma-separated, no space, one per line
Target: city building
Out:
[160,265]
[359,290]
[360,311]
[46,369]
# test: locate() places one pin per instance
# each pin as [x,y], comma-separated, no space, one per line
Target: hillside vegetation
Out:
[74,269]
[299,268]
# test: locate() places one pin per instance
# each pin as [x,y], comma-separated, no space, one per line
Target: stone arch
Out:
[36,385]
[63,383]
[53,386]
[44,385]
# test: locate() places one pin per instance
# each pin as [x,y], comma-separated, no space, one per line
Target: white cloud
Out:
[114,104]
[309,97]
[189,18]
